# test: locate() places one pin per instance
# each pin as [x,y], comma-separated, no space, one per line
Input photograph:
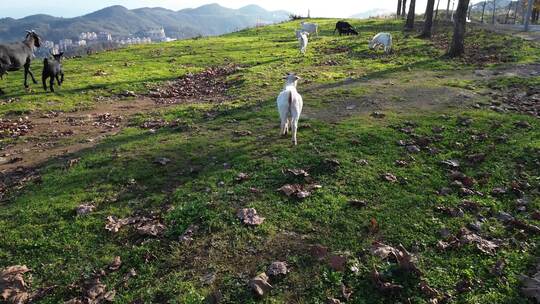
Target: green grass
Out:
[39,227]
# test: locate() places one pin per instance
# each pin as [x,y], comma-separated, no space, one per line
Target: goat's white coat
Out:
[311,28]
[384,39]
[290,105]
[303,39]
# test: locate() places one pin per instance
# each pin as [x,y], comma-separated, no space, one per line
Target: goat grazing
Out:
[52,68]
[14,56]
[384,39]
[290,105]
[344,27]
[303,39]
[311,28]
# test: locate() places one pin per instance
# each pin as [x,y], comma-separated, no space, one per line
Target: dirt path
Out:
[55,134]
[417,91]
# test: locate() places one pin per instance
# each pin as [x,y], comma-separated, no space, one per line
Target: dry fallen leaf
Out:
[276,269]
[381,285]
[152,228]
[242,177]
[406,261]
[260,285]
[13,287]
[115,264]
[389,177]
[249,216]
[85,209]
[381,250]
[296,172]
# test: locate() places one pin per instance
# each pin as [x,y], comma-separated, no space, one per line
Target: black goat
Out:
[344,27]
[52,68]
[14,56]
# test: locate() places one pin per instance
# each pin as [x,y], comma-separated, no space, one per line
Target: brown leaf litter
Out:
[296,172]
[250,217]
[465,237]
[405,260]
[15,290]
[14,128]
[299,191]
[143,225]
[205,85]
[277,269]
[260,285]
[382,285]
[85,209]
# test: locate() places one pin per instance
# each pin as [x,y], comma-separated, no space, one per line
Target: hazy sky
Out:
[319,8]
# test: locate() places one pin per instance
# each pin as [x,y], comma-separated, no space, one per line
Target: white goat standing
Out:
[384,39]
[303,39]
[290,105]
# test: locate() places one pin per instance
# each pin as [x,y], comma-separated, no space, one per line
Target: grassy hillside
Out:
[429,102]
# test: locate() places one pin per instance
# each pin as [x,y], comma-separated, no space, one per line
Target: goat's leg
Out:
[294,126]
[32,75]
[44,80]
[2,92]
[25,77]
[58,80]
[51,84]
[283,129]
[62,78]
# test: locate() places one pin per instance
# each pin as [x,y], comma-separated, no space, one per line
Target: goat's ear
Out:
[297,77]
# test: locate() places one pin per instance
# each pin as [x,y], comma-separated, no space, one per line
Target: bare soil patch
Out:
[208,84]
[55,134]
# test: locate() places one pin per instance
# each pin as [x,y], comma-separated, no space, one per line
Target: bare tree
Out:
[448,10]
[437,9]
[457,48]
[409,25]
[398,9]
[494,11]
[428,25]
[404,8]
[483,11]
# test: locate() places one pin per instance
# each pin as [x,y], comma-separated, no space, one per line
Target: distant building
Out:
[104,36]
[80,43]
[88,36]
[155,34]
[65,44]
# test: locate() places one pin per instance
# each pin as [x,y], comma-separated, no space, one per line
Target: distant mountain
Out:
[206,20]
[376,12]
[500,4]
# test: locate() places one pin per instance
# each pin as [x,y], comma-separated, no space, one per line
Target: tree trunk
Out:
[398,9]
[528,15]
[437,9]
[404,9]
[483,11]
[409,26]
[428,25]
[494,11]
[457,48]
[448,10]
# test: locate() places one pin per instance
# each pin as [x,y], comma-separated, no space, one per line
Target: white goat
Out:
[290,105]
[311,28]
[384,39]
[303,39]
